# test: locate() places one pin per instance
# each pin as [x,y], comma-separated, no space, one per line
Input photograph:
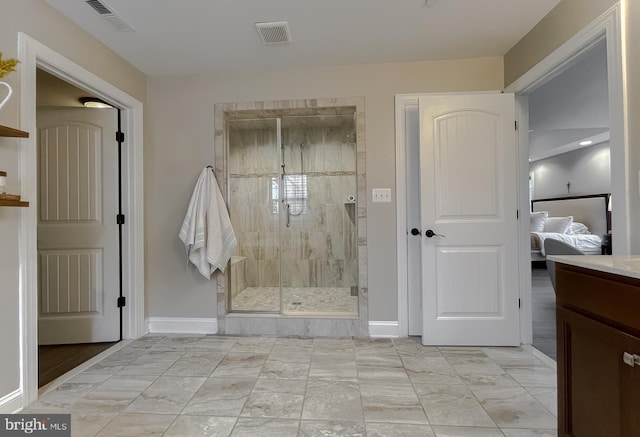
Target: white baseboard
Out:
[11,403]
[384,329]
[177,325]
[540,355]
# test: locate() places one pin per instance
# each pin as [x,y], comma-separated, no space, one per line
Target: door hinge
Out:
[122,301]
[519,303]
[517,214]
[120,137]
[515,124]
[120,219]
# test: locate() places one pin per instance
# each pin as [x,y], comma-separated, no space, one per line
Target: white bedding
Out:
[588,243]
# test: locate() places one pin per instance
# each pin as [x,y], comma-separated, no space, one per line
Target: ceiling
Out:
[571,108]
[184,37]
[52,91]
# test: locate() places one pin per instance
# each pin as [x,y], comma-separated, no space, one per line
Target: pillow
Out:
[578,228]
[537,220]
[559,225]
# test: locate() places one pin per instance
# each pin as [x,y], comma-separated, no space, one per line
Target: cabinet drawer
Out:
[609,298]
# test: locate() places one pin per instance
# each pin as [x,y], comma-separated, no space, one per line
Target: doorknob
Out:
[429,233]
[415,231]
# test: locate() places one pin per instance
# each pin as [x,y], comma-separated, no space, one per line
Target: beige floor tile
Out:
[318,428]
[196,426]
[210,385]
[220,397]
[139,425]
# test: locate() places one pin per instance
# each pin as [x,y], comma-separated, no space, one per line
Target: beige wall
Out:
[569,17]
[564,21]
[41,22]
[180,141]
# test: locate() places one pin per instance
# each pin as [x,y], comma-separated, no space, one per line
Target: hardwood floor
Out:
[56,360]
[544,311]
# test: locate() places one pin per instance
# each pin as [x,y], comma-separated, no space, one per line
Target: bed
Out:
[580,221]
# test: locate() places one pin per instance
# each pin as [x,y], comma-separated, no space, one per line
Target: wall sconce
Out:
[94,102]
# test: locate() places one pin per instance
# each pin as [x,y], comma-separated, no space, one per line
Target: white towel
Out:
[206,230]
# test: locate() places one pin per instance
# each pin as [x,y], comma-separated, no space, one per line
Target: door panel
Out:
[469,198]
[474,293]
[70,158]
[77,230]
[70,282]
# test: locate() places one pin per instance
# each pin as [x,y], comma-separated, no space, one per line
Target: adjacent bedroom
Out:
[569,178]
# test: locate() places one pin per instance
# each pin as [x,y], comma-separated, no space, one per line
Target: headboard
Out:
[592,210]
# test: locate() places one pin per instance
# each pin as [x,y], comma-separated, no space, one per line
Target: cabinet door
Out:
[630,392]
[597,391]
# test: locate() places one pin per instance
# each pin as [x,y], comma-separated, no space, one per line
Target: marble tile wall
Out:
[319,249]
[237,269]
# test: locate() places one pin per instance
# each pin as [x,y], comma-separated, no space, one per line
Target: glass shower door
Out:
[292,202]
[254,170]
[318,238]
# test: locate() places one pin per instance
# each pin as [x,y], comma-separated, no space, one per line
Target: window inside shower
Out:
[292,189]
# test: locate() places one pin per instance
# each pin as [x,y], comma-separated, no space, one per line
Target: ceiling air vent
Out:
[106,12]
[274,33]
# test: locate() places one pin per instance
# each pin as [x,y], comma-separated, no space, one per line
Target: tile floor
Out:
[336,301]
[267,386]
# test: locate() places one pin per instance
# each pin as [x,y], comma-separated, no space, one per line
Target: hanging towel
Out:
[206,230]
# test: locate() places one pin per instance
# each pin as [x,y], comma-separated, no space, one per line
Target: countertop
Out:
[624,265]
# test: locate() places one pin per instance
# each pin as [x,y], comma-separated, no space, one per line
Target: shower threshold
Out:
[297,301]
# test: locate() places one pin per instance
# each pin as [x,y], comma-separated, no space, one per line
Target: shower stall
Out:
[292,196]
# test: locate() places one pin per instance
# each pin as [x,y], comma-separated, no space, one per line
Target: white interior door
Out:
[469,196]
[77,232]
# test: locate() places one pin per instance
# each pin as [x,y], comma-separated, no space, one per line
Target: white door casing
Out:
[77,231]
[33,55]
[469,196]
[413,243]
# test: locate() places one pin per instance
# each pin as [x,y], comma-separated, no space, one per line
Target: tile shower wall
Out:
[253,163]
[319,249]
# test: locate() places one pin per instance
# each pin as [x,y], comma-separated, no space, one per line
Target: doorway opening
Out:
[79,239]
[34,55]
[569,159]
[604,31]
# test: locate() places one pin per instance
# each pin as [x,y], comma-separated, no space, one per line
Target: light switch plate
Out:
[381,195]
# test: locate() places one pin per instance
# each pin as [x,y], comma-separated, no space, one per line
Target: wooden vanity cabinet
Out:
[598,334]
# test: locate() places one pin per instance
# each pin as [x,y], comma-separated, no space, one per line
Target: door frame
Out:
[608,25]
[402,103]
[33,54]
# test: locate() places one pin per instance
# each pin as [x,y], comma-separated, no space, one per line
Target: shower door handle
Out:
[288,215]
